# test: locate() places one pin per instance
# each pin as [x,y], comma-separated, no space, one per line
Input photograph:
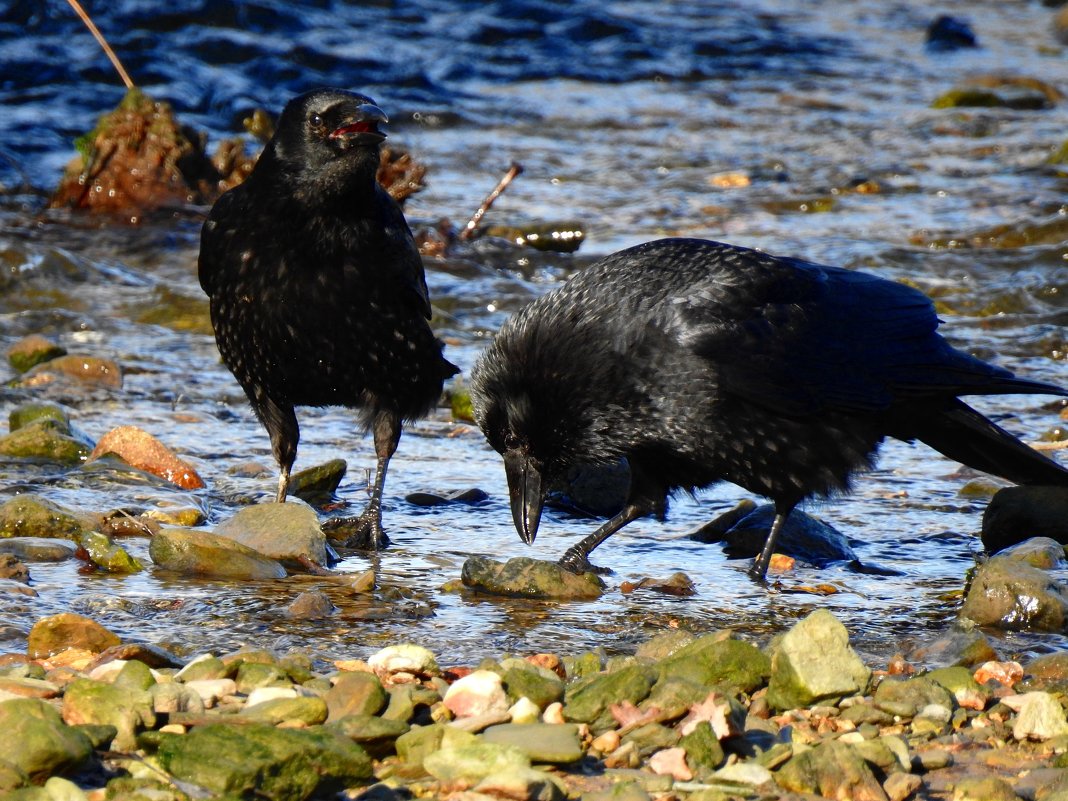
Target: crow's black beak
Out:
[525,494]
[363,126]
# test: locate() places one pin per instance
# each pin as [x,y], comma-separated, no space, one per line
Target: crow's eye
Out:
[511,441]
[316,121]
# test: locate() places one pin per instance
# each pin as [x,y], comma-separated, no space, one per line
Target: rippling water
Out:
[623,115]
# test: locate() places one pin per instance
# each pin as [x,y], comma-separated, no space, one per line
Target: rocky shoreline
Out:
[87,717]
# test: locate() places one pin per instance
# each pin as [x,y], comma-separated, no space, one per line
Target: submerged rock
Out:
[31,351]
[93,371]
[38,549]
[529,578]
[140,449]
[311,605]
[950,33]
[1019,513]
[1001,91]
[201,553]
[106,555]
[289,532]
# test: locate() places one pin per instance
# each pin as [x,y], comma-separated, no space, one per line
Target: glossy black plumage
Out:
[699,362]
[317,289]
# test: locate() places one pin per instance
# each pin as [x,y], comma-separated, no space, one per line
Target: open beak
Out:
[362,128]
[525,494]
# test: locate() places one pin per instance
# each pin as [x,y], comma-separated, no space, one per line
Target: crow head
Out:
[544,407]
[327,141]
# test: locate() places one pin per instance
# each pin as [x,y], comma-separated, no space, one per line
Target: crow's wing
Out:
[403,259]
[802,338]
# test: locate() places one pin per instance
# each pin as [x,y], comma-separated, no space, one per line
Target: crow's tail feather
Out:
[961,433]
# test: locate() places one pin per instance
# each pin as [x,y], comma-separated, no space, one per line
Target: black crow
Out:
[317,291]
[698,362]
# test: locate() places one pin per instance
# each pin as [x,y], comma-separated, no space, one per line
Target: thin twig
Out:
[472,224]
[114,59]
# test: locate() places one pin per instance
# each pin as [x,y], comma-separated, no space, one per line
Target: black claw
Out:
[575,561]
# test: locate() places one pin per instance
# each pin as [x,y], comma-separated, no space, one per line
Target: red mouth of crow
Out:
[358,130]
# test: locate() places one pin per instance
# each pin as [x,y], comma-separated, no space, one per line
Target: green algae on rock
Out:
[529,578]
[201,553]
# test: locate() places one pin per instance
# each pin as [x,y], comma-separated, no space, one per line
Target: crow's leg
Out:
[759,570]
[369,535]
[281,424]
[576,558]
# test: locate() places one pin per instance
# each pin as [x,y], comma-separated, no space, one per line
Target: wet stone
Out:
[107,556]
[744,529]
[311,605]
[289,532]
[966,646]
[140,449]
[318,480]
[529,578]
[30,515]
[1048,672]
[32,350]
[201,553]
[1041,552]
[1011,594]
[38,549]
[44,439]
[50,635]
[91,371]
[13,569]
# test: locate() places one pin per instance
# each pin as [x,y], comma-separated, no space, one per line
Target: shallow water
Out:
[622,115]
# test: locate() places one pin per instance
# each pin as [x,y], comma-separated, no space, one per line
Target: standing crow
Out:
[699,362]
[317,290]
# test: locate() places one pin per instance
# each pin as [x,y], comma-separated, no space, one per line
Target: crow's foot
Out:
[364,533]
[576,561]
